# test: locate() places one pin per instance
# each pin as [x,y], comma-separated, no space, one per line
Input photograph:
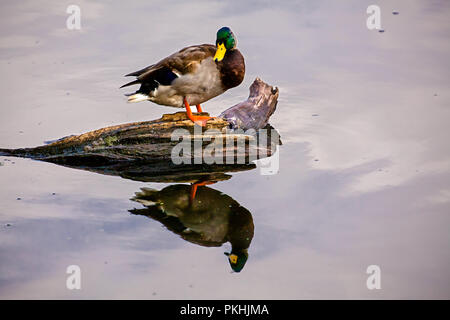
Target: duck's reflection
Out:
[201,215]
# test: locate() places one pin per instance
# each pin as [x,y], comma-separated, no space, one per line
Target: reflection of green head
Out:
[237,260]
[240,235]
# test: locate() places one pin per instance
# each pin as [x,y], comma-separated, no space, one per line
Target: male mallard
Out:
[192,75]
[210,219]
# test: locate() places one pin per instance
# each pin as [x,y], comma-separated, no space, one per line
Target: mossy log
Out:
[144,150]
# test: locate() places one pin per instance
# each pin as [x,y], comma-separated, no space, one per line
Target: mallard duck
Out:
[192,75]
[210,219]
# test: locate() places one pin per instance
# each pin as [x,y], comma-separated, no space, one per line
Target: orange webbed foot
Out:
[199,120]
[194,187]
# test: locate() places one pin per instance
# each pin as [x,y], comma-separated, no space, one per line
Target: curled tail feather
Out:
[137,97]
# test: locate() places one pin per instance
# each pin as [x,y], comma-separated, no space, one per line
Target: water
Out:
[364,166]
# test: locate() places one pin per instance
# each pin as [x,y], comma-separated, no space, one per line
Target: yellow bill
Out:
[233,258]
[220,52]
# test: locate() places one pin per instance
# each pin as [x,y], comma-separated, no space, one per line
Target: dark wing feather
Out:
[182,62]
[139,72]
[166,70]
[163,75]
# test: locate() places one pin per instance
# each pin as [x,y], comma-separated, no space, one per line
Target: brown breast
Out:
[232,69]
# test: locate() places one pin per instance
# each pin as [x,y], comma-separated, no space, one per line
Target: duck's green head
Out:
[237,259]
[225,41]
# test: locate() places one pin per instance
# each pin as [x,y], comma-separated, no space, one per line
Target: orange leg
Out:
[200,120]
[194,187]
[199,108]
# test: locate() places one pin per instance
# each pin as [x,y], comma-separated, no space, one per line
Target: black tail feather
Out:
[130,83]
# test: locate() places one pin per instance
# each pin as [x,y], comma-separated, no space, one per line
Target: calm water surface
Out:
[364,168]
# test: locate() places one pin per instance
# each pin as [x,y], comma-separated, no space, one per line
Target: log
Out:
[253,113]
[143,150]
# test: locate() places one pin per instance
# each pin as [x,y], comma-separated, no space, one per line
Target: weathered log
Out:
[253,113]
[144,150]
